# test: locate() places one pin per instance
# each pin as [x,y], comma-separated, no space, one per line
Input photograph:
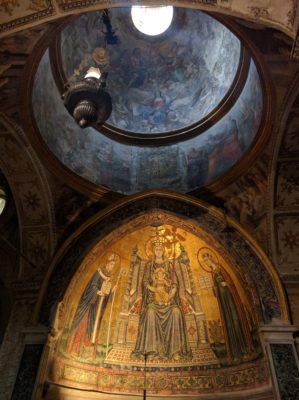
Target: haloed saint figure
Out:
[89,314]
[162,327]
[239,343]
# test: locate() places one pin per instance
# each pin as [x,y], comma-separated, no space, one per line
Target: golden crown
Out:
[158,241]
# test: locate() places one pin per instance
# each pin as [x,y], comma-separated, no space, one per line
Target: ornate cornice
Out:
[15,18]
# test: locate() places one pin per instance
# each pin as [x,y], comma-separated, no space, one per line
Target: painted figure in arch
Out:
[239,342]
[89,314]
[162,328]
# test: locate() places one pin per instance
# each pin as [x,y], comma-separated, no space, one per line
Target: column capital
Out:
[278,332]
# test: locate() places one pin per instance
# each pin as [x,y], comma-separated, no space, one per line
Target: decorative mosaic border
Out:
[26,20]
[286,22]
[184,382]
[68,5]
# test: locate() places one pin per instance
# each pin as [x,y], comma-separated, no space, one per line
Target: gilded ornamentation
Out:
[8,6]
[259,12]
[280,15]
[248,263]
[37,5]
[118,316]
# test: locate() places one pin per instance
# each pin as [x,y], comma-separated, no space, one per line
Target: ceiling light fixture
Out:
[152,20]
[87,101]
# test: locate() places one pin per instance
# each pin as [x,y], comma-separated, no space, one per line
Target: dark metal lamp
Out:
[87,101]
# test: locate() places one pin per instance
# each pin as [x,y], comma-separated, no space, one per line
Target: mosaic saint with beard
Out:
[89,314]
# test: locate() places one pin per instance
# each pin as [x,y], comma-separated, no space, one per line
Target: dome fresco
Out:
[161,84]
[183,166]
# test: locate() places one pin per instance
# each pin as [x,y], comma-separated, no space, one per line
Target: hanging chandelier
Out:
[87,101]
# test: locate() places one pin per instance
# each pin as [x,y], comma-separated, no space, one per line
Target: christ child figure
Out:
[161,286]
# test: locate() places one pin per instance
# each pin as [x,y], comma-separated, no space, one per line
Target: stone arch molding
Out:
[283,197]
[153,209]
[32,197]
[282,15]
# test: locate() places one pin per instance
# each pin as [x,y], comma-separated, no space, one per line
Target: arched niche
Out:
[186,321]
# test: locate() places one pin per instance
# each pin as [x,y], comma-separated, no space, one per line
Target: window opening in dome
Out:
[152,20]
[3,198]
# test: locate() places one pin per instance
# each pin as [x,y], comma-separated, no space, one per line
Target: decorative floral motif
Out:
[32,200]
[259,12]
[37,5]
[8,6]
[287,237]
[24,12]
[37,249]
[242,377]
[287,190]
[290,240]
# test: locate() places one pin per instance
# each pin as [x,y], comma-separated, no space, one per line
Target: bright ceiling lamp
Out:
[152,20]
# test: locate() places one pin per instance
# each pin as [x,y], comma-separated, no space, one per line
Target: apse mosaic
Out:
[161,84]
[161,298]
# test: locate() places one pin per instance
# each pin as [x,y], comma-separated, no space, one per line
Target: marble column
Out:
[21,347]
[279,345]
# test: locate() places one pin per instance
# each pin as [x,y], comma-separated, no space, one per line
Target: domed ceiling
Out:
[187,104]
[157,84]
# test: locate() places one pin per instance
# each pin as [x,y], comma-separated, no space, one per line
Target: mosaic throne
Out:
[128,321]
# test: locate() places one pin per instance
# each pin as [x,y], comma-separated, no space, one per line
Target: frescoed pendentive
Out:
[160,298]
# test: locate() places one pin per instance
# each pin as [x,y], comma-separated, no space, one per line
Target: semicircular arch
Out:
[249,257]
[212,269]
[32,197]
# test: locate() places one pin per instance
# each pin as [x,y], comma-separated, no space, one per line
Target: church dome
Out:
[187,104]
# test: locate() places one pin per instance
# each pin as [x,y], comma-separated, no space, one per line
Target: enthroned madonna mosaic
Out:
[163,297]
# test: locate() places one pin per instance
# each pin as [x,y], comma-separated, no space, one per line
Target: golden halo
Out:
[202,263]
